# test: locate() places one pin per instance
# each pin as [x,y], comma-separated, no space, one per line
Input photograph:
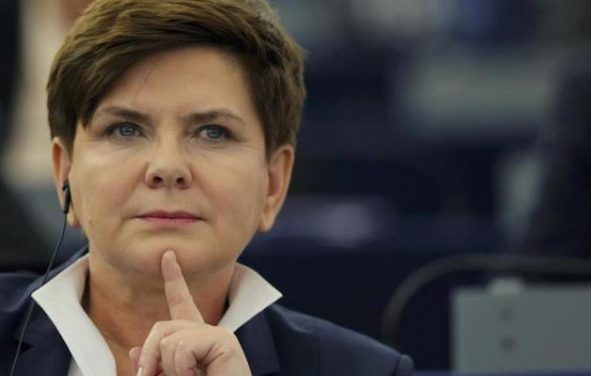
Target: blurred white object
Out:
[522,328]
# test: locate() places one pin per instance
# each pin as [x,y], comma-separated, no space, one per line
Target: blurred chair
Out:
[418,316]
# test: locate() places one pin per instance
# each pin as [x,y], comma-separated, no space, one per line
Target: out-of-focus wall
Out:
[27,162]
[435,105]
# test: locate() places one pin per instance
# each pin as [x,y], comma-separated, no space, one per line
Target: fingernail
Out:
[171,254]
[140,371]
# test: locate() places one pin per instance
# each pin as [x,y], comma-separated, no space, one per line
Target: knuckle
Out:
[164,342]
[227,342]
[227,335]
[159,326]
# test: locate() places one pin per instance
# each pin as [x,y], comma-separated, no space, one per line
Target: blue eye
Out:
[127,130]
[124,130]
[214,133]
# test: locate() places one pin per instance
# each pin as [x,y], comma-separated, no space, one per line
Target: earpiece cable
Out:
[32,304]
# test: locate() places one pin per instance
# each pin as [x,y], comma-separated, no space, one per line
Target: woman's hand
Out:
[186,345]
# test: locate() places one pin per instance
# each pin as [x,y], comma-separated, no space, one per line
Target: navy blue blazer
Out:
[277,341]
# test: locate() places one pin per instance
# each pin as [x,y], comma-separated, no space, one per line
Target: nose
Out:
[168,167]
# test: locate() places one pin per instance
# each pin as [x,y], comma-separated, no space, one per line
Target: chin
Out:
[190,257]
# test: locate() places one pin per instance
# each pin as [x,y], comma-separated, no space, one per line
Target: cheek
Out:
[90,204]
[100,191]
[240,198]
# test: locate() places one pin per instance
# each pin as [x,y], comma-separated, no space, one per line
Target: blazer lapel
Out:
[258,346]
[43,351]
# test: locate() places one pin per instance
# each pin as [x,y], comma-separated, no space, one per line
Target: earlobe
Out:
[280,169]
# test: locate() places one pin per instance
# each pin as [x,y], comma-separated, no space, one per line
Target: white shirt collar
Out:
[60,299]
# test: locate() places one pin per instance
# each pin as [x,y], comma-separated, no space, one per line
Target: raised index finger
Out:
[179,298]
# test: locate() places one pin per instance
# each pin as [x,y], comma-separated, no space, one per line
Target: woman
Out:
[173,126]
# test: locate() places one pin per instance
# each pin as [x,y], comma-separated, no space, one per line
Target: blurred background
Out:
[433,129]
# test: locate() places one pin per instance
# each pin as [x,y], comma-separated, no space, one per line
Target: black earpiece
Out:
[67,196]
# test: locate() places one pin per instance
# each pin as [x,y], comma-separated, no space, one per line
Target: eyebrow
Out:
[212,115]
[196,117]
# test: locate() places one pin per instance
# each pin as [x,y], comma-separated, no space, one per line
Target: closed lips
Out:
[170,215]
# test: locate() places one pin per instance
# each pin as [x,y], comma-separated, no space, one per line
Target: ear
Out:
[61,163]
[280,168]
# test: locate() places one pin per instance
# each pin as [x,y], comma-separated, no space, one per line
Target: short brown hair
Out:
[113,35]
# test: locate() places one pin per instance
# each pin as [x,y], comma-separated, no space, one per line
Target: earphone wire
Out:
[32,304]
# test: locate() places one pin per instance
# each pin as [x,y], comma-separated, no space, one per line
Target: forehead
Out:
[195,77]
[189,66]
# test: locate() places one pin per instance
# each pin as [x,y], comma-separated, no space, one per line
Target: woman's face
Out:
[174,158]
